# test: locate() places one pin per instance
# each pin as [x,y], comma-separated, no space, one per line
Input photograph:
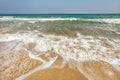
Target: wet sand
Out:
[13,65]
[99,70]
[57,74]
[17,64]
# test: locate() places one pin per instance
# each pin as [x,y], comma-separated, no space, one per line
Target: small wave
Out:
[33,20]
[8,17]
[116,20]
[37,19]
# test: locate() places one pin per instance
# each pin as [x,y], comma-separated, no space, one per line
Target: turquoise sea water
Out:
[66,24]
[64,15]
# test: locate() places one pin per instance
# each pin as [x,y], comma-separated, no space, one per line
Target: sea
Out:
[32,42]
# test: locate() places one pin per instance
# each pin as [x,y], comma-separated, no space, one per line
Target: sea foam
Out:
[80,48]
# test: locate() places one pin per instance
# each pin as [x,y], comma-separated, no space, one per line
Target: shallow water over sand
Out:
[59,50]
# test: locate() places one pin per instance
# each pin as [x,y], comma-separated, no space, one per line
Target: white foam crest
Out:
[7,17]
[17,36]
[33,20]
[115,20]
[81,48]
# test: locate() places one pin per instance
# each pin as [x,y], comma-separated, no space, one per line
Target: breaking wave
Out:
[33,20]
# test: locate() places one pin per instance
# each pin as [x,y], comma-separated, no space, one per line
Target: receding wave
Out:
[80,49]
